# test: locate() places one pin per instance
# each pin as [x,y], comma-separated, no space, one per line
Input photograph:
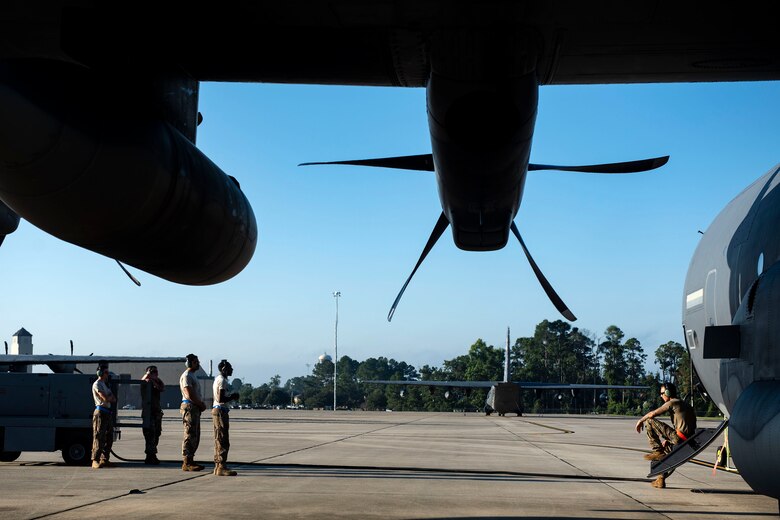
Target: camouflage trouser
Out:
[152,432]
[102,435]
[658,432]
[221,434]
[190,415]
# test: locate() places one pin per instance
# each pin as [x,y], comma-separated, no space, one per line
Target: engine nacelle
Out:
[482,95]
[83,160]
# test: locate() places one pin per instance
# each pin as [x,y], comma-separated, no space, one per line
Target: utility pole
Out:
[506,358]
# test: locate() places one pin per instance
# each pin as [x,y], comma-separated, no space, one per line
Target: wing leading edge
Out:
[522,384]
[46,359]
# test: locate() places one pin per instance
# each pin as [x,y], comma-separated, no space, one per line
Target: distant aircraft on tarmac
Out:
[504,396]
[731,318]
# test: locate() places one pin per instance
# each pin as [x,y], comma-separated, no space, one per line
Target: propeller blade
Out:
[551,294]
[438,229]
[422,162]
[133,278]
[621,167]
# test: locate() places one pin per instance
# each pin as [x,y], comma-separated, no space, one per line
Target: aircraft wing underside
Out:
[448,384]
[67,364]
[521,384]
[388,42]
[43,359]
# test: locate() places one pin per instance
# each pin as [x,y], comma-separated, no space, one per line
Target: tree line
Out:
[556,353]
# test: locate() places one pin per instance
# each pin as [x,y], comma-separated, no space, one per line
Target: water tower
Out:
[21,345]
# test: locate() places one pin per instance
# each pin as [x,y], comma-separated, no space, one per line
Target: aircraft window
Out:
[690,335]
[760,268]
[694,299]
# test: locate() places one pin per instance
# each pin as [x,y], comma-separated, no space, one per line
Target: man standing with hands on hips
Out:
[191,407]
[219,414]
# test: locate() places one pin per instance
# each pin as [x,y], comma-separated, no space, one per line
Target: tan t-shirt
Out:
[100,386]
[220,383]
[683,417]
[188,379]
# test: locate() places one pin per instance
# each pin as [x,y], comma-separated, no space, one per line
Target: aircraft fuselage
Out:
[731,317]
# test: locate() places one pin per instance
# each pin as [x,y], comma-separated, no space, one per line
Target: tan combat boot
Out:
[221,470]
[189,465]
[96,465]
[656,455]
[660,482]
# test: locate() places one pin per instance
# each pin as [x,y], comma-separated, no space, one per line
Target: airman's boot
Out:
[655,455]
[189,465]
[660,482]
[96,464]
[152,459]
[221,470]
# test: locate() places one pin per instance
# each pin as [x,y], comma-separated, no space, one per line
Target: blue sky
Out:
[616,248]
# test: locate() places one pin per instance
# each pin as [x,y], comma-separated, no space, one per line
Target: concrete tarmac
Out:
[319,464]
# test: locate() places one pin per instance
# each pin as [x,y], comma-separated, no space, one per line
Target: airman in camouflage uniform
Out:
[219,414]
[191,407]
[663,437]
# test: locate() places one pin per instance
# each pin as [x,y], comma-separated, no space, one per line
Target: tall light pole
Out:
[336,295]
[597,341]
